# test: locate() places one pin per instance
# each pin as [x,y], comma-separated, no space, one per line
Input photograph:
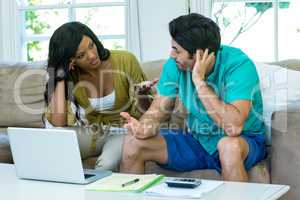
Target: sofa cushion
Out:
[22,95]
[285,150]
[280,88]
[5,153]
[293,64]
[152,69]
[258,174]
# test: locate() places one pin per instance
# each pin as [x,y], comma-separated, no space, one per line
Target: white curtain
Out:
[133,36]
[10,50]
[153,18]
[203,7]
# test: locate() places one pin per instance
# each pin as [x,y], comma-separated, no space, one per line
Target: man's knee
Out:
[132,148]
[232,150]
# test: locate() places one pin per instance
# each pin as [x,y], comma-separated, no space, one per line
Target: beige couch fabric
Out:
[22,96]
[285,151]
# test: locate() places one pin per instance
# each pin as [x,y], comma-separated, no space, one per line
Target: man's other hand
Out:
[136,128]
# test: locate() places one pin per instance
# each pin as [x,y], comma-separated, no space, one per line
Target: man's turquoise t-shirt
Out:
[234,77]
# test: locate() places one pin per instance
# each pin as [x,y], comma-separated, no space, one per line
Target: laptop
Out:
[49,155]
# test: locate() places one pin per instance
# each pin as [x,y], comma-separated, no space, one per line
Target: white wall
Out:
[154,17]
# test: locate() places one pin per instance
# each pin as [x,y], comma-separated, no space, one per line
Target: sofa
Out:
[24,110]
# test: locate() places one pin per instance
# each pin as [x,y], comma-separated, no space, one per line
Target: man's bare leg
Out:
[136,152]
[233,151]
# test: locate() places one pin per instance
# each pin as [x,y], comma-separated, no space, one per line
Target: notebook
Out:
[117,182]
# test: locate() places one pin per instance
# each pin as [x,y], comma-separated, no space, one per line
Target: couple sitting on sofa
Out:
[218,85]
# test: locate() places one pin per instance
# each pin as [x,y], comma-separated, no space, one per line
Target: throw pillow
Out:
[280,88]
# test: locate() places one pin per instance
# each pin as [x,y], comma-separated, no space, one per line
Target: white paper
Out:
[165,191]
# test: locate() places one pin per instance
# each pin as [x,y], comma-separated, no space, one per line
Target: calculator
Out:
[183,182]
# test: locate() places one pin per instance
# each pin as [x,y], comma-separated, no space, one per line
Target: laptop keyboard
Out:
[86,176]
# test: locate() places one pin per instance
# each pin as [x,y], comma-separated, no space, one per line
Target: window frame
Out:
[72,6]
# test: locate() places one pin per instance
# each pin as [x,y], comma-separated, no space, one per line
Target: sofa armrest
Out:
[285,154]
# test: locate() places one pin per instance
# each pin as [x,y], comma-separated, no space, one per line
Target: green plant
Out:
[34,23]
[117,46]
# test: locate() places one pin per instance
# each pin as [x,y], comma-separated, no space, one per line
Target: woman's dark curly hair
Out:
[62,47]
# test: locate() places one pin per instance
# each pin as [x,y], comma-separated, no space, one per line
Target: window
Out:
[267,30]
[107,19]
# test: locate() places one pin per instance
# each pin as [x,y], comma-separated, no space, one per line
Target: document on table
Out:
[164,191]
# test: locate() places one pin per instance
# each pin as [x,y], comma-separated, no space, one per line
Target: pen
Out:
[130,182]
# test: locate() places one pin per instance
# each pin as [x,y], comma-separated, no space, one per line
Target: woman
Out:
[88,87]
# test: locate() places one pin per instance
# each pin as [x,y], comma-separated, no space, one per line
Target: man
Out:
[219,86]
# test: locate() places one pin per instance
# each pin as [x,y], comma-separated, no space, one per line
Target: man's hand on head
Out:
[202,65]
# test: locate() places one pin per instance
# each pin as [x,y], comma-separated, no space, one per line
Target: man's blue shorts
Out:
[185,153]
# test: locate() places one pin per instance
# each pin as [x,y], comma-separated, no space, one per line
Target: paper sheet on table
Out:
[165,191]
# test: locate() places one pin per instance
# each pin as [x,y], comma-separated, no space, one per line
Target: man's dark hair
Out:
[195,31]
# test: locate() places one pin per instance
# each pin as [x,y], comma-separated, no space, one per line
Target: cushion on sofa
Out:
[280,88]
[22,96]
[5,153]
[293,64]
[152,69]
[285,150]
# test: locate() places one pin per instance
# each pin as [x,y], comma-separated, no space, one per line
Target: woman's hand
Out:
[59,106]
[145,86]
[142,93]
